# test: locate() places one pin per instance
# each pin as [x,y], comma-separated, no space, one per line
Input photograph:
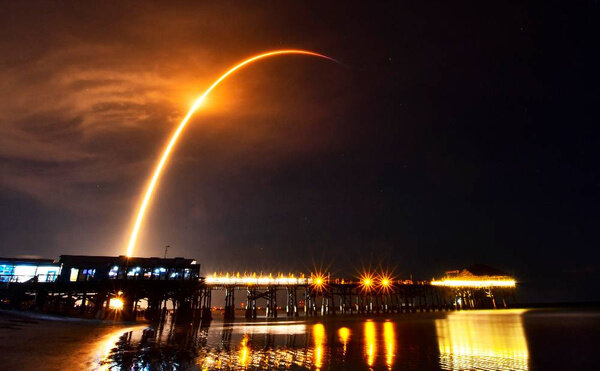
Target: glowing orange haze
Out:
[167,151]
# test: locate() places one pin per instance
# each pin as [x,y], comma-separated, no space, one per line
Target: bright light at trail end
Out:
[169,147]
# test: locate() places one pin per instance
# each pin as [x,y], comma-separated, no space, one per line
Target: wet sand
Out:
[31,341]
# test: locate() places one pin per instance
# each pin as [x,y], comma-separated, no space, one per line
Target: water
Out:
[482,340]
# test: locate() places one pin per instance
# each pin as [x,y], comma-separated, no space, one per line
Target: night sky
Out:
[450,134]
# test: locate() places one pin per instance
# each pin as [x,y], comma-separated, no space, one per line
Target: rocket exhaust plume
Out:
[173,141]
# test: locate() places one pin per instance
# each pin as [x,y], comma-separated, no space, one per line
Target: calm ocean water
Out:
[514,339]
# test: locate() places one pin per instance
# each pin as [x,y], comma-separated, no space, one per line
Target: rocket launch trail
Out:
[151,186]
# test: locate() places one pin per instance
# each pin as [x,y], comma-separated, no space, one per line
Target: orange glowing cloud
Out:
[175,136]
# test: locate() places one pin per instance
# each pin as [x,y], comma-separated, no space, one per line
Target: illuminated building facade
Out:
[100,286]
[82,268]
[23,270]
[478,286]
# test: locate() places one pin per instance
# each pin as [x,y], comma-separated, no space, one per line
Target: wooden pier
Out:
[127,288]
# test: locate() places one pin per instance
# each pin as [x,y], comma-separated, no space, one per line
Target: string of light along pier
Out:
[366,280]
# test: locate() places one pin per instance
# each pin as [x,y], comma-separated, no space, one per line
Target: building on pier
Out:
[100,286]
[476,276]
[478,286]
[83,268]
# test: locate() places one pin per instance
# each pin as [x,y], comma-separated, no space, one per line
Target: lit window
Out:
[134,272]
[47,273]
[6,272]
[159,272]
[24,272]
[89,272]
[51,277]
[74,274]
[114,271]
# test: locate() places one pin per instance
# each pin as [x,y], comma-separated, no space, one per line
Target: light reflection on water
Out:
[244,352]
[105,347]
[370,342]
[389,336]
[483,340]
[492,340]
[344,336]
[318,340]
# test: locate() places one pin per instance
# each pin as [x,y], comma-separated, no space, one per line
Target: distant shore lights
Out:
[475,283]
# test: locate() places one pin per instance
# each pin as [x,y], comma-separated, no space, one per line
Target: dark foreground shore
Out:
[31,341]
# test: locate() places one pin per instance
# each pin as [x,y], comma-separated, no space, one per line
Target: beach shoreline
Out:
[37,341]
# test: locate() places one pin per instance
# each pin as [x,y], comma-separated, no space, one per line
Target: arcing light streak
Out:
[167,151]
